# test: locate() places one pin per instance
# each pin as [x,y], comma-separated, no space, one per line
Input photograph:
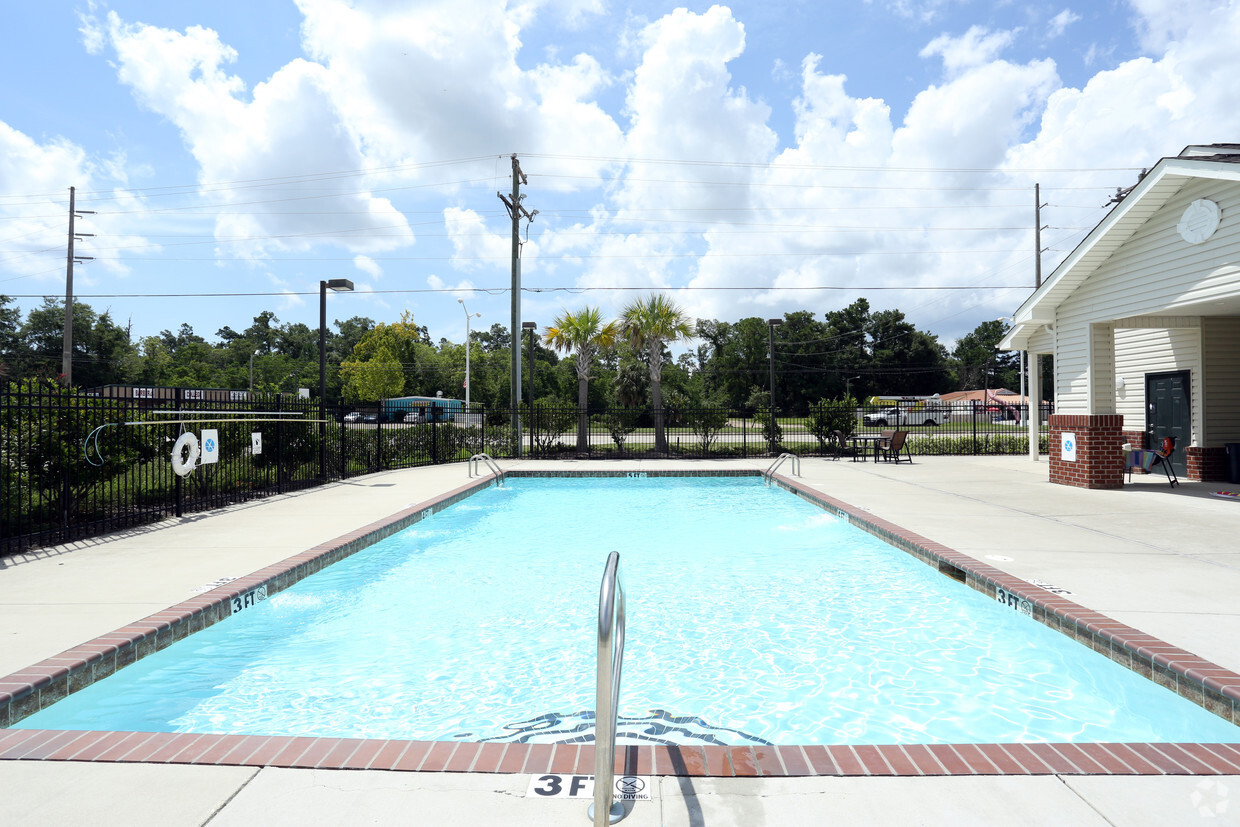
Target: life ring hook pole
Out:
[92,439]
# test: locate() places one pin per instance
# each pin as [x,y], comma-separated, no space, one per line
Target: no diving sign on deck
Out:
[628,787]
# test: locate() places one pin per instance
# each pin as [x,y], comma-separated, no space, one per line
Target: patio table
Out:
[865,442]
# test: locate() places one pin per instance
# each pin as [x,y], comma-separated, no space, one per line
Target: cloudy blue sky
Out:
[749,159]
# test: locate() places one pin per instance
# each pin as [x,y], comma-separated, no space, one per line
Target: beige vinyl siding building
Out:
[1143,319]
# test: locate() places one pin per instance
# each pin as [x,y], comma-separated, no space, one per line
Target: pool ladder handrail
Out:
[478,459]
[769,473]
[605,809]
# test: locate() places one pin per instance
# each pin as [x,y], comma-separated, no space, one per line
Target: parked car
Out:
[353,416]
[414,418]
[370,419]
[905,416]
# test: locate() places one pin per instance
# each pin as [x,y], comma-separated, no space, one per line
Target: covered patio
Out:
[1143,321]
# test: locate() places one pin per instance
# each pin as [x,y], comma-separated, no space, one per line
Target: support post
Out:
[1034,428]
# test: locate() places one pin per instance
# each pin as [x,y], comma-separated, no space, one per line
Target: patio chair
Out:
[837,444]
[1147,461]
[1163,457]
[890,447]
[880,444]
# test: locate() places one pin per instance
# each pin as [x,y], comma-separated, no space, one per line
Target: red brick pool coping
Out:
[44,683]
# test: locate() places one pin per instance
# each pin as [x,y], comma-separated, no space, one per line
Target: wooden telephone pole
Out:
[516,211]
[66,356]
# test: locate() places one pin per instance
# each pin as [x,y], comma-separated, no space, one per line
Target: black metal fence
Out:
[74,466]
[706,433]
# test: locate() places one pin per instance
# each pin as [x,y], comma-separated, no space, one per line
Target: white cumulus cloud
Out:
[975,47]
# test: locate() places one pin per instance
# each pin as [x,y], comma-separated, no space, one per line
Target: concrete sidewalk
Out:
[1166,561]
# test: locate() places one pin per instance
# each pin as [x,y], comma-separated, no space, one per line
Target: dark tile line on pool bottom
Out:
[37,686]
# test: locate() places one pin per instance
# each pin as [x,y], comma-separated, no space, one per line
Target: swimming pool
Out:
[798,630]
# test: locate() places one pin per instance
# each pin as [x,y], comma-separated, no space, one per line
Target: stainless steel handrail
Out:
[476,459]
[769,473]
[605,809]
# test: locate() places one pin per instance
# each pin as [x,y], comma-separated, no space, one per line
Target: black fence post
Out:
[280,445]
[344,457]
[378,437]
[180,481]
[974,427]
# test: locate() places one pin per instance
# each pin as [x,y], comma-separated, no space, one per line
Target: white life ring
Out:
[187,443]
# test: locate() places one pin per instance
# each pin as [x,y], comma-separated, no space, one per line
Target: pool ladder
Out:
[605,809]
[477,460]
[769,473]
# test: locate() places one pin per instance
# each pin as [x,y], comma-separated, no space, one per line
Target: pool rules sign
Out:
[1067,447]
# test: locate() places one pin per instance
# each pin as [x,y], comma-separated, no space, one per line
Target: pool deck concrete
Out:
[1165,561]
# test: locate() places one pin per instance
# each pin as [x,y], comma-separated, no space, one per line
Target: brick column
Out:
[1099,458]
[1206,464]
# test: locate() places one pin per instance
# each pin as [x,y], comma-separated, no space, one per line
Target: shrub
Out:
[550,419]
[827,415]
[619,422]
[706,423]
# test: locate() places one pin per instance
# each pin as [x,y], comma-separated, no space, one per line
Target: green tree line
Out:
[854,351]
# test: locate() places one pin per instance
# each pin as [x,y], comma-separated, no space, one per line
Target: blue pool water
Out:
[754,617]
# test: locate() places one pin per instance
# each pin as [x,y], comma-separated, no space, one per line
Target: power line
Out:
[768,164]
[250,183]
[817,185]
[501,290]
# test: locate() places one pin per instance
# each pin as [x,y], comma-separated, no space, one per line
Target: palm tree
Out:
[585,333]
[648,324]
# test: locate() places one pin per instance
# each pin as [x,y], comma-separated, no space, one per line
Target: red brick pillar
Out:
[1099,458]
[1206,464]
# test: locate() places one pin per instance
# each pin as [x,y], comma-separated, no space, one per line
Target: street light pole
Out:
[467,317]
[338,286]
[770,327]
[530,326]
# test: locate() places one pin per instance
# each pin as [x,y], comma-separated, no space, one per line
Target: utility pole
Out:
[515,211]
[1034,406]
[66,356]
[1037,236]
